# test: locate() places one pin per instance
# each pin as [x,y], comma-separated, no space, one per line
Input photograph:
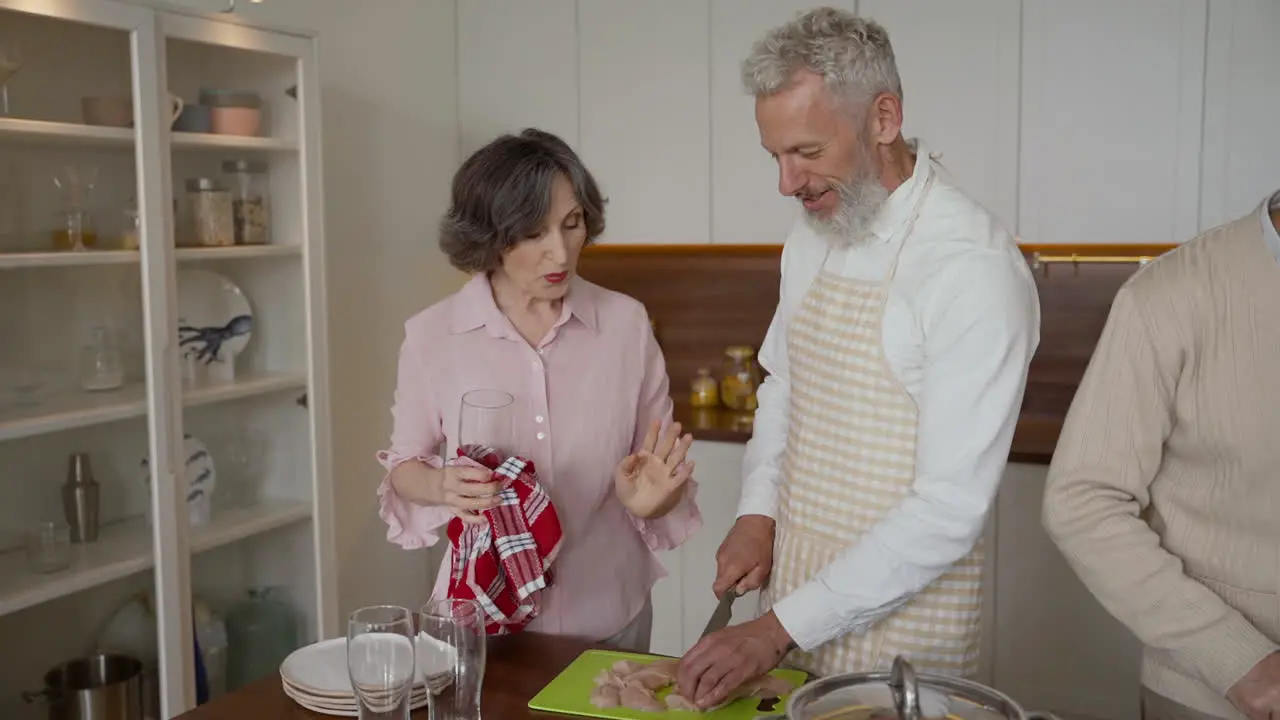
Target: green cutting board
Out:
[570,693]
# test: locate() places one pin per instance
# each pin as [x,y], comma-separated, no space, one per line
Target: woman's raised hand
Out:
[650,482]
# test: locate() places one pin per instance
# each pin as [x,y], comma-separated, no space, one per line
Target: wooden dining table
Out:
[517,667]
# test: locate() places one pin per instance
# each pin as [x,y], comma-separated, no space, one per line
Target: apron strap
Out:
[911,223]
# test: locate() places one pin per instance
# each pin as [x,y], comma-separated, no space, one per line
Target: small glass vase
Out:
[101,368]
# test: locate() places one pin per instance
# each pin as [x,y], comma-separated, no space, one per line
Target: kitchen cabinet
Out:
[1051,636]
[959,64]
[1241,146]
[745,204]
[250,437]
[1112,96]
[517,68]
[645,116]
[965,108]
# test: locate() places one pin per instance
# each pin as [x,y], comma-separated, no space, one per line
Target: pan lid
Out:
[900,694]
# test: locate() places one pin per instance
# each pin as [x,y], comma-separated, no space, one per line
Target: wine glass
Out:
[380,659]
[456,626]
[10,63]
[485,419]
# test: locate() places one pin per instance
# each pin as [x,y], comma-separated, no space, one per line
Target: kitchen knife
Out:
[723,612]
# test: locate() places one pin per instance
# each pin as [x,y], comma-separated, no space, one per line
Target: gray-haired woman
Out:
[589,382]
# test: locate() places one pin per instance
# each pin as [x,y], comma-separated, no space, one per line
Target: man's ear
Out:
[884,118]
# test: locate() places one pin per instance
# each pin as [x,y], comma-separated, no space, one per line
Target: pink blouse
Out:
[583,401]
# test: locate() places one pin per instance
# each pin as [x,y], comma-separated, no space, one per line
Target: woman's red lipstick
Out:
[557,278]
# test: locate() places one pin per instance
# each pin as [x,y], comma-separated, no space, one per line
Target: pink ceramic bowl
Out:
[107,110]
[235,120]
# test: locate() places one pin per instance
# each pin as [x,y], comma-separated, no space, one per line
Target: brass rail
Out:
[1040,261]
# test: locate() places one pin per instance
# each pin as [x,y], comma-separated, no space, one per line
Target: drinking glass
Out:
[10,63]
[380,659]
[100,364]
[486,419]
[457,624]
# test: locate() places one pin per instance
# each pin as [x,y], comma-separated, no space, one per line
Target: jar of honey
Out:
[703,391]
[741,378]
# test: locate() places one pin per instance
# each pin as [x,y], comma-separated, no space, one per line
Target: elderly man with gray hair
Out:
[897,360]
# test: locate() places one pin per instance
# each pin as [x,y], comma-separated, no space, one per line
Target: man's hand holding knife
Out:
[724,659]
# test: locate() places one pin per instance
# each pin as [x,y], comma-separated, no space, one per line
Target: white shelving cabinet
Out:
[266,427]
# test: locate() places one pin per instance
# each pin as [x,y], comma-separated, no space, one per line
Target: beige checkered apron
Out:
[849,460]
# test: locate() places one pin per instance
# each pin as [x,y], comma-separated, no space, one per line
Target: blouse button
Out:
[538,419]
[542,436]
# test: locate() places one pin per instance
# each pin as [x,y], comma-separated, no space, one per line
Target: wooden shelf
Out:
[64,133]
[203,141]
[236,252]
[60,133]
[88,258]
[124,548]
[78,408]
[67,259]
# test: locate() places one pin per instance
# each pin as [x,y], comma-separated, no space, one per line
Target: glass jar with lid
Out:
[703,391]
[249,200]
[741,378]
[210,213]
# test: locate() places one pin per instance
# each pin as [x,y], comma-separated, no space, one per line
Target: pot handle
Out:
[906,692]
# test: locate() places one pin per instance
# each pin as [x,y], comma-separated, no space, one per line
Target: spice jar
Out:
[210,212]
[249,201]
[738,386]
[703,391]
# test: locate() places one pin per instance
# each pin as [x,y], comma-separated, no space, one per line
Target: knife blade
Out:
[723,612]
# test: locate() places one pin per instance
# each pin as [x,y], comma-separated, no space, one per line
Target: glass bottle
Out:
[249,202]
[261,632]
[741,378]
[703,391]
[100,364]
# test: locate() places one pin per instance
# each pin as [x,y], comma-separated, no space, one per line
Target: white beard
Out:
[861,198]
[848,223]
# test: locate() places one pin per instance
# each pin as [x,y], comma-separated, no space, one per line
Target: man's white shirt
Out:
[961,323]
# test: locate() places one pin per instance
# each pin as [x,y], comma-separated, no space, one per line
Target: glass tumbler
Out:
[48,546]
[100,365]
[456,629]
[485,419]
[381,661]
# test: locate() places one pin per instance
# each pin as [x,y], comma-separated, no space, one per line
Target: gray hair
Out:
[502,194]
[851,54]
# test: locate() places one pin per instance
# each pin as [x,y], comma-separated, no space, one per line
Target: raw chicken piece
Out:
[765,686]
[637,698]
[676,701]
[626,667]
[649,678]
[606,696]
[607,678]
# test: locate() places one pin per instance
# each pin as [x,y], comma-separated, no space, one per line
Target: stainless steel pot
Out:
[98,687]
[901,694]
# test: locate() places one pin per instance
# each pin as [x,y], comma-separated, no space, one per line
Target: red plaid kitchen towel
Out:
[505,563]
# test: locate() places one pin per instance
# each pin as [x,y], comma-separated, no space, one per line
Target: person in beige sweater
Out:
[1164,491]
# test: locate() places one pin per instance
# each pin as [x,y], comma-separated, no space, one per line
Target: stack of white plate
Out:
[316,676]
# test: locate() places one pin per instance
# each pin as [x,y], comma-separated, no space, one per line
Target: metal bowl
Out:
[901,694]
